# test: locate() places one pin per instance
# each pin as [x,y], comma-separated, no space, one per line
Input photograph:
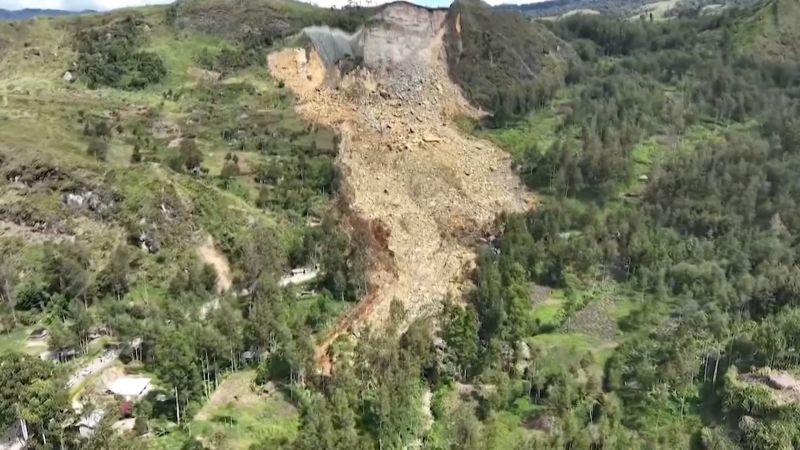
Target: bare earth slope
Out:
[209,254]
[404,162]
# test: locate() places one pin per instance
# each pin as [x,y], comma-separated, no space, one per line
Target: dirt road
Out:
[94,366]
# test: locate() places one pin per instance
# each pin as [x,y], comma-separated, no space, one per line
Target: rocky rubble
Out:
[85,199]
[405,163]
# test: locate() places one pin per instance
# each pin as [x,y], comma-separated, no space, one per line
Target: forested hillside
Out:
[556,8]
[625,8]
[503,62]
[178,238]
[669,226]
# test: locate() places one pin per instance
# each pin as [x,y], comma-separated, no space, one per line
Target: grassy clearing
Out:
[180,51]
[658,9]
[540,128]
[573,341]
[549,313]
[236,417]
[584,321]
[622,308]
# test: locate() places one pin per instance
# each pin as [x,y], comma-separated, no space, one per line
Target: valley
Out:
[263,224]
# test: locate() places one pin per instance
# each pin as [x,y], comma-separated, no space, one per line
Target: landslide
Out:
[424,188]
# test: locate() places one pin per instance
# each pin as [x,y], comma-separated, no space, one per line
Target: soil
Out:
[210,255]
[407,169]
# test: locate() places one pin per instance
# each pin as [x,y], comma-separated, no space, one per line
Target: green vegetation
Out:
[664,171]
[108,55]
[770,33]
[120,193]
[624,8]
[237,416]
[503,62]
[252,26]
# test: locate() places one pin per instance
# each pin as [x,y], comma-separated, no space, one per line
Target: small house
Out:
[130,388]
[39,334]
[66,354]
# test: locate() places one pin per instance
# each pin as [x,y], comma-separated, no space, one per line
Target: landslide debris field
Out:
[428,188]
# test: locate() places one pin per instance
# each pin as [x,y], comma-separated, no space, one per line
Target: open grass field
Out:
[549,313]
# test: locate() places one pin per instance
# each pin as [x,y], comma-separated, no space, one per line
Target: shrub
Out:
[109,56]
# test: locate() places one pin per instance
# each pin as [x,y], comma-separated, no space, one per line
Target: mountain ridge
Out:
[30,13]
[625,8]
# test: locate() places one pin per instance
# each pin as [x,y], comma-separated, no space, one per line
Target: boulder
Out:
[429,137]
[69,77]
[84,200]
[208,76]
[175,143]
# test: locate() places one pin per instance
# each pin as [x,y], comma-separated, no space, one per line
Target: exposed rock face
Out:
[407,169]
[398,32]
[403,34]
[147,239]
[783,381]
[334,45]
